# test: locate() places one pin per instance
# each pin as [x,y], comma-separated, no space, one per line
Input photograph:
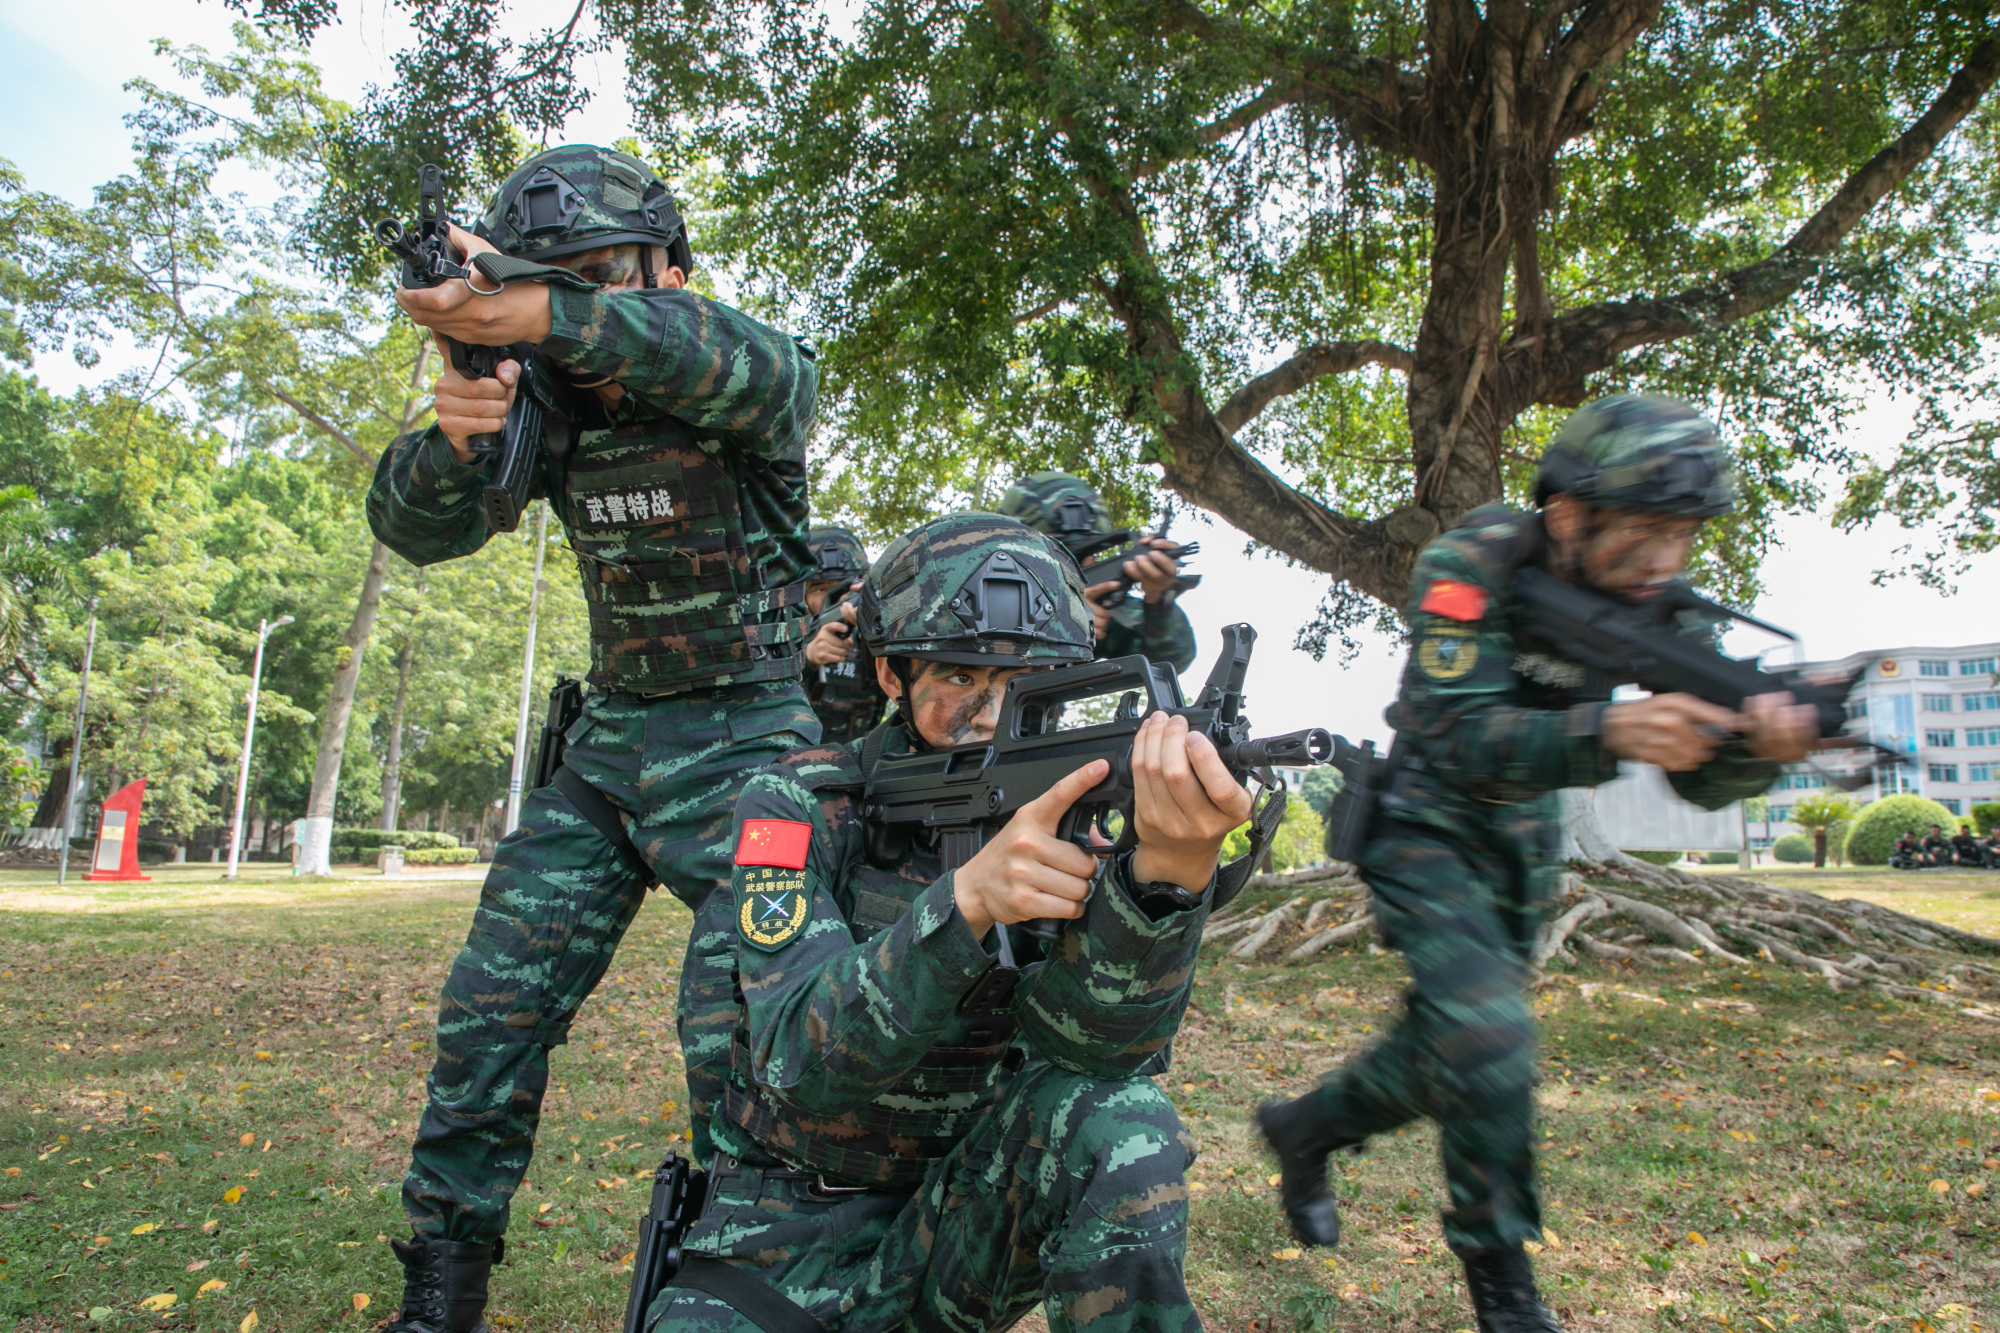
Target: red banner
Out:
[116,855]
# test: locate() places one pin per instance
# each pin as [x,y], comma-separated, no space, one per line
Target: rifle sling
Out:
[596,807]
[1231,879]
[746,1293]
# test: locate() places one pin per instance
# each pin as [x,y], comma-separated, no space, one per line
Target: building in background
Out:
[1938,706]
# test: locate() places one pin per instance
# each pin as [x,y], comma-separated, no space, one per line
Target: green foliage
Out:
[441,856]
[1299,841]
[361,844]
[1823,810]
[1793,848]
[1319,787]
[1656,858]
[1881,822]
[1985,815]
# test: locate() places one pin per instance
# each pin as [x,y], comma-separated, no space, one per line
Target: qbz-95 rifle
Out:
[968,792]
[1639,645]
[536,417]
[1104,558]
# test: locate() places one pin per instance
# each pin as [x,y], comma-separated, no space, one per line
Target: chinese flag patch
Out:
[774,842]
[1454,601]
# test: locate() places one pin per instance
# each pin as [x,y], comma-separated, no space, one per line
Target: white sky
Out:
[61,67]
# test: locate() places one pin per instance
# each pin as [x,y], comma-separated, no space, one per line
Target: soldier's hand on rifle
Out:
[517,313]
[466,408]
[1676,731]
[1027,873]
[1779,729]
[1186,803]
[1154,571]
[835,640]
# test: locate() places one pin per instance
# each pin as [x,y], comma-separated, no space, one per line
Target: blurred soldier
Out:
[683,494]
[1965,847]
[841,679]
[1937,851]
[1146,621]
[915,1134]
[1908,853]
[1460,858]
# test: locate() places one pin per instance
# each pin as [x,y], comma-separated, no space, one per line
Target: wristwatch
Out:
[1160,897]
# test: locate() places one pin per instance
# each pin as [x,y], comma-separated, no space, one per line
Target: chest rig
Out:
[891,1142]
[680,594]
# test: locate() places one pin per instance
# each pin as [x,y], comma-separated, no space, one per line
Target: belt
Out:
[815,1182]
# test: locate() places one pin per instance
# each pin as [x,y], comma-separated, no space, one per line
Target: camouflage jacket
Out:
[847,702]
[1488,728]
[852,1054]
[1158,631]
[685,504]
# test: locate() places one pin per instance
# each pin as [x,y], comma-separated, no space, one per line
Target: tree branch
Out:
[1591,338]
[1601,36]
[1289,376]
[353,445]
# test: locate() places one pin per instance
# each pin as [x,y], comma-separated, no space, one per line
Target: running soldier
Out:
[683,493]
[1463,850]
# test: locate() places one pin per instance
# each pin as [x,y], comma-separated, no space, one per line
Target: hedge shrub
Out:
[441,856]
[1794,849]
[1881,822]
[1985,815]
[361,844]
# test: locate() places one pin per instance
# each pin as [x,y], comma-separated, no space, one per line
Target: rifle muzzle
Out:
[1294,749]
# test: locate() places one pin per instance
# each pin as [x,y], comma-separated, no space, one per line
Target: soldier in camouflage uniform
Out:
[913,1132]
[841,678]
[1148,620]
[681,484]
[1461,857]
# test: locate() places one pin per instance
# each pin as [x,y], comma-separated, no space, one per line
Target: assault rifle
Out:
[1639,645]
[967,792]
[1104,561]
[429,258]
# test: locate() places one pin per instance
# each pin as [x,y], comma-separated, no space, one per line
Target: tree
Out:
[1818,814]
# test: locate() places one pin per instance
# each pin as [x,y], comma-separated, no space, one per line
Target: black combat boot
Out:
[1302,1141]
[444,1285]
[1502,1286]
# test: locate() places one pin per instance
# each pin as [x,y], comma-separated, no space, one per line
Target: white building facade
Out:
[1938,706]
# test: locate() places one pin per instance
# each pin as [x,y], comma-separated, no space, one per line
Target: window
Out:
[1941,739]
[1938,703]
[1950,803]
[1889,781]
[1982,736]
[1980,772]
[1932,667]
[1798,782]
[1975,666]
[1982,703]
[1781,814]
[1859,708]
[1944,772]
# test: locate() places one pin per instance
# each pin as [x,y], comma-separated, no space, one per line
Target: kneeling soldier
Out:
[913,1131]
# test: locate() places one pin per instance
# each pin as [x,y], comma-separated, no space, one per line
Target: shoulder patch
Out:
[772,905]
[1454,600]
[1447,652]
[774,842]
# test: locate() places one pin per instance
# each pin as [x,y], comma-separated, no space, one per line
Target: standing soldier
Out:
[841,678]
[683,492]
[1489,725]
[916,1135]
[1152,624]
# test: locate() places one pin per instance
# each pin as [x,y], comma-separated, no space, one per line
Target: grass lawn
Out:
[216,1086]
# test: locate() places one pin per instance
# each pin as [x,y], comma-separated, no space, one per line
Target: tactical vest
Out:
[892,1141]
[681,597]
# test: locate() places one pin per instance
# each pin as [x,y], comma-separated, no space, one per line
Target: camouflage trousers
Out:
[555,905]
[1463,1050]
[1069,1192]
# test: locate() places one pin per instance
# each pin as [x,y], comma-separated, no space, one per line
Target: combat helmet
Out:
[1066,507]
[579,197]
[976,590]
[838,556]
[1636,451]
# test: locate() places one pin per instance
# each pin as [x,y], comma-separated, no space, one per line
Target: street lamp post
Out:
[264,628]
[76,746]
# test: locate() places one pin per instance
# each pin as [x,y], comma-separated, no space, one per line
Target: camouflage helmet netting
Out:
[977,590]
[1635,451]
[579,197]
[837,555]
[1065,507]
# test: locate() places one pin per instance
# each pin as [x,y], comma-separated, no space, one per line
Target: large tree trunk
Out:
[392,767]
[316,829]
[42,829]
